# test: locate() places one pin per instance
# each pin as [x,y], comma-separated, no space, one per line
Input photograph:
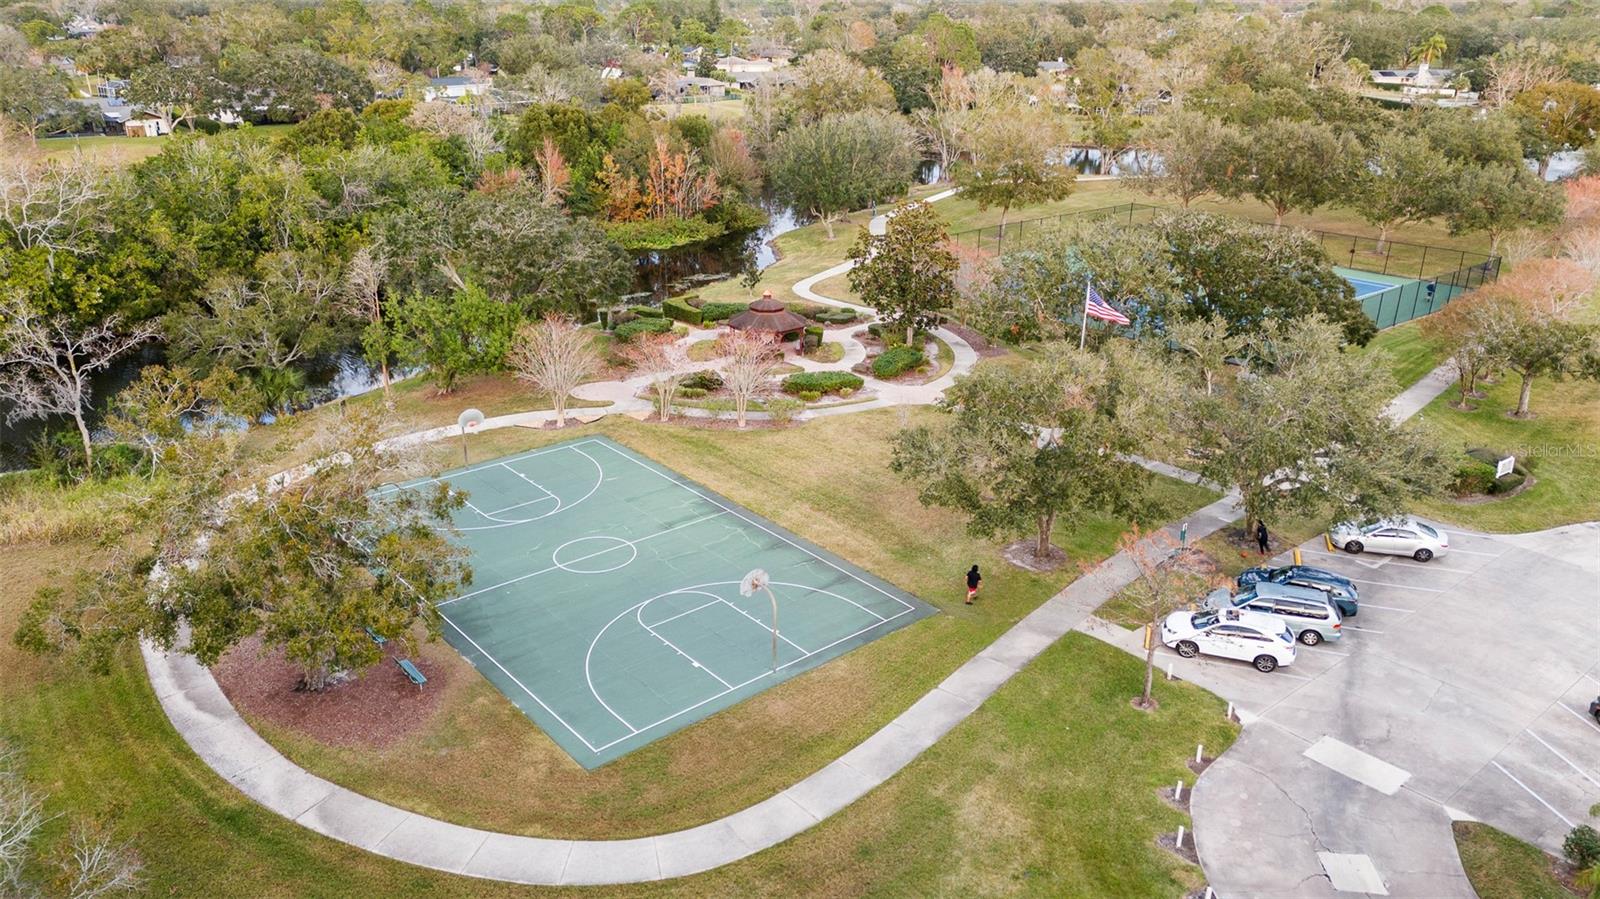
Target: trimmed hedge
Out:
[678,309]
[647,311]
[821,382]
[897,360]
[630,330]
[716,312]
[1475,477]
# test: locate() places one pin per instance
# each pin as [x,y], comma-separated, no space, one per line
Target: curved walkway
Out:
[211,726]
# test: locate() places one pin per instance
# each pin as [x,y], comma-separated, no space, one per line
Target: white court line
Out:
[1584,774]
[1373,605]
[715,599]
[908,609]
[697,608]
[504,509]
[613,548]
[639,616]
[531,481]
[1364,630]
[1581,716]
[1564,818]
[600,475]
[763,527]
[496,663]
[1400,586]
[766,627]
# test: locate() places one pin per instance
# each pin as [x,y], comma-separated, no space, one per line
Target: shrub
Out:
[782,408]
[628,331]
[844,317]
[678,308]
[647,311]
[846,391]
[716,312]
[691,392]
[897,361]
[1472,478]
[704,380]
[1476,478]
[1582,847]
[809,396]
[821,382]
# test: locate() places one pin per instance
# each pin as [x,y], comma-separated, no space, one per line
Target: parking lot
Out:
[1460,690]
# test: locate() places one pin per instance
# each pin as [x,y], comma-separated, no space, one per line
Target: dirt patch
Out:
[1180,803]
[1200,766]
[1021,554]
[378,709]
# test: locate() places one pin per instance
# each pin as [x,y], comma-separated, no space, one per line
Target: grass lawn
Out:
[813,480]
[1500,865]
[731,109]
[1560,446]
[1410,354]
[117,151]
[1050,788]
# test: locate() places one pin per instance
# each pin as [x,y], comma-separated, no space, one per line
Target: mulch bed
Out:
[978,342]
[1021,555]
[377,709]
[1168,841]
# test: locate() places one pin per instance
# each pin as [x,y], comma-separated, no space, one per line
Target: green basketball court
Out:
[606,600]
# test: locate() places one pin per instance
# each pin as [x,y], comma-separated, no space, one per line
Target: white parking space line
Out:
[1530,792]
[1400,586]
[1473,552]
[1364,630]
[1331,652]
[1593,678]
[1373,605]
[1581,716]
[1357,765]
[1557,753]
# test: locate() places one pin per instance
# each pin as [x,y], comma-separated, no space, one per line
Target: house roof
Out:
[451,81]
[1054,65]
[767,314]
[694,81]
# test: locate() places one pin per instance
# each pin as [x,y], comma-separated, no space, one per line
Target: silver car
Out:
[1393,537]
[1310,615]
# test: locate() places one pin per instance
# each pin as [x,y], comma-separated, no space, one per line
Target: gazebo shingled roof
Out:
[767,314]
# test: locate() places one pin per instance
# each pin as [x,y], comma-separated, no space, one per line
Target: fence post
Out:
[1422,269]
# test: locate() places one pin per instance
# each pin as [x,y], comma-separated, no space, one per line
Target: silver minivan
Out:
[1309,613]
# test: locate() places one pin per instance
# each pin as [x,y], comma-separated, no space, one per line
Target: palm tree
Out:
[1429,51]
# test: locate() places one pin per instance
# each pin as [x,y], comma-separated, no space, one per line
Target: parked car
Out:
[1395,537]
[1343,590]
[1594,709]
[1309,614]
[1261,640]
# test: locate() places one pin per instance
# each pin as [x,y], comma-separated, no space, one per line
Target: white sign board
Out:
[1505,466]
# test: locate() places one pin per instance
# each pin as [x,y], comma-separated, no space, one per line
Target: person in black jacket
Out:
[1261,536]
[973,580]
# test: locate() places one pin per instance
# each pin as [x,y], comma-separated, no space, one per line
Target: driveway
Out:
[1460,691]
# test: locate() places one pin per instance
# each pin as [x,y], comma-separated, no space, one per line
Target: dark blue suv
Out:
[1338,587]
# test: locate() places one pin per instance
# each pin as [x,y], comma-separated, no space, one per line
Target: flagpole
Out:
[1083,333]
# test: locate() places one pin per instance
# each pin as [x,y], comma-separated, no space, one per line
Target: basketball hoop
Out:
[758,579]
[468,421]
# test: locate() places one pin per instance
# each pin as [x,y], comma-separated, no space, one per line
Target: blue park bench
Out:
[411,672]
[376,637]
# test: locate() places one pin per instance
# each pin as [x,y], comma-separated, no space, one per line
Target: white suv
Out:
[1261,640]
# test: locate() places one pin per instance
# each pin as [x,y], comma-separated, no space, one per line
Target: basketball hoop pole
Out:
[758,579]
[464,459]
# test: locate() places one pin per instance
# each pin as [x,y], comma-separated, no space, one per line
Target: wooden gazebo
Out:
[767,314]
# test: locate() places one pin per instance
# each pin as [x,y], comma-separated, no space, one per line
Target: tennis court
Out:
[606,601]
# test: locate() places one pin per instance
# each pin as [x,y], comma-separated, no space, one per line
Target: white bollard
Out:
[1199,752]
[1180,836]
[1230,711]
[1210,893]
[1177,791]
[1169,671]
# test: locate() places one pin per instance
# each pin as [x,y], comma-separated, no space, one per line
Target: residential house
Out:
[739,65]
[454,88]
[145,127]
[696,88]
[1057,68]
[751,80]
[778,56]
[111,88]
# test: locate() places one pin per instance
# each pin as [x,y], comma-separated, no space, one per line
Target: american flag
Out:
[1095,306]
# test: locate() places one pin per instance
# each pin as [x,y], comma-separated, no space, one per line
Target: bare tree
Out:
[363,299]
[1168,572]
[746,375]
[1582,246]
[554,355]
[46,361]
[53,205]
[1515,69]
[554,175]
[95,866]
[21,816]
[662,358]
[1551,288]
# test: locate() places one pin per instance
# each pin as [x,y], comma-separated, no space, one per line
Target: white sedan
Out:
[1394,537]
[1261,640]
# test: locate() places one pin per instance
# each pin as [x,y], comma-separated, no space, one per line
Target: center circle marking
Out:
[591,551]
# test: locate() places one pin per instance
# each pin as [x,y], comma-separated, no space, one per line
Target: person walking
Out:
[973,580]
[1262,540]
